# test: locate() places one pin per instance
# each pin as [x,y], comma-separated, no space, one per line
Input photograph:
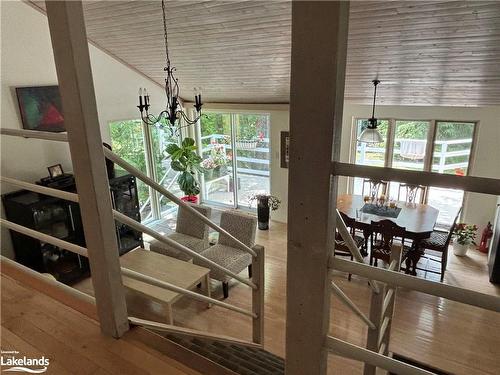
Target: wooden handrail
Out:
[48,136]
[41,189]
[153,184]
[190,332]
[164,239]
[358,353]
[483,185]
[351,245]
[349,303]
[163,284]
[45,237]
[454,293]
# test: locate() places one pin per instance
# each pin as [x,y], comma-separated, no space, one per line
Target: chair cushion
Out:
[341,247]
[228,257]
[193,243]
[437,240]
[381,253]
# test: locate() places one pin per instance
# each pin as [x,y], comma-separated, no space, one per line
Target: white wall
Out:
[27,60]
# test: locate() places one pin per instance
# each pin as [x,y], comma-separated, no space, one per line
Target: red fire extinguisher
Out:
[485,238]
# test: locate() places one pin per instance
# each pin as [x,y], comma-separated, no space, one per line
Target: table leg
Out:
[170,314]
[207,288]
[414,257]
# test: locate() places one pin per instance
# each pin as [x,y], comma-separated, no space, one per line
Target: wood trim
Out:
[190,332]
[484,185]
[469,297]
[375,359]
[68,296]
[258,272]
[375,315]
[71,55]
[319,29]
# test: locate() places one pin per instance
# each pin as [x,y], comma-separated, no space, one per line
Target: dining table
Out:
[418,220]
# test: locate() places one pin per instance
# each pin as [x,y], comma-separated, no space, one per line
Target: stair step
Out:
[240,359]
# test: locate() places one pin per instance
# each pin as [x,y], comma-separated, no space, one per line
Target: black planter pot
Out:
[263,212]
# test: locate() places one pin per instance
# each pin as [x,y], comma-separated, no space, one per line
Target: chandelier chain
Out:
[165,34]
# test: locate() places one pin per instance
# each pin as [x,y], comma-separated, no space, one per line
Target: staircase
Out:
[236,359]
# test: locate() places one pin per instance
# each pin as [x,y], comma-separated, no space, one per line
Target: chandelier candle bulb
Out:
[140,97]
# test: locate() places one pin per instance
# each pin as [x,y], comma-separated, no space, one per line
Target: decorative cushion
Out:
[228,257]
[189,224]
[341,246]
[193,243]
[437,240]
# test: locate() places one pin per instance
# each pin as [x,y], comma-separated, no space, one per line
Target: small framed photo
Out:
[55,171]
[285,146]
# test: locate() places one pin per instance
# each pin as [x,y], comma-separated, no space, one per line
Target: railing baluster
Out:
[258,270]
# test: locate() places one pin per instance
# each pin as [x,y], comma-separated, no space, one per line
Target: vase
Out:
[209,174]
[460,250]
[263,212]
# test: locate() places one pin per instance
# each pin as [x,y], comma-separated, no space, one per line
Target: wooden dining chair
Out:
[384,233]
[411,192]
[439,241]
[376,187]
[341,248]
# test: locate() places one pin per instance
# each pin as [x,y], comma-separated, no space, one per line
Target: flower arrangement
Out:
[218,155]
[208,163]
[274,202]
[465,234]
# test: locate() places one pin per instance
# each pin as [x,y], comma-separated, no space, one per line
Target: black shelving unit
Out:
[60,218]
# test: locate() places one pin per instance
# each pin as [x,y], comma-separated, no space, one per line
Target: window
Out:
[236,155]
[437,146]
[143,147]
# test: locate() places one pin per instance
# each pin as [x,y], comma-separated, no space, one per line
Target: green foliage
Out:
[465,234]
[186,160]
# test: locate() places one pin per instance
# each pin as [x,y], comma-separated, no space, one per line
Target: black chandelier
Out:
[173,112]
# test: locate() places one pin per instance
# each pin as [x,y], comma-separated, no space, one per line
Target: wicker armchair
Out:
[189,231]
[226,253]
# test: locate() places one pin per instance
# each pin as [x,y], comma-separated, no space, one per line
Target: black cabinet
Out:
[60,218]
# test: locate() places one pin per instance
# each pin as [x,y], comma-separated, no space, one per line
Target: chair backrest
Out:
[240,225]
[374,187]
[350,223]
[388,230]
[452,228]
[189,224]
[411,192]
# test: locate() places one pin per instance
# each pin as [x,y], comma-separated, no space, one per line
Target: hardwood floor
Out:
[458,338]
[36,325]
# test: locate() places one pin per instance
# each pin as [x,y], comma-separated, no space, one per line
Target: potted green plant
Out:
[185,160]
[464,237]
[265,203]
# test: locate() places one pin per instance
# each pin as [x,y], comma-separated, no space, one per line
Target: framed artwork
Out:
[284,148]
[41,108]
[55,171]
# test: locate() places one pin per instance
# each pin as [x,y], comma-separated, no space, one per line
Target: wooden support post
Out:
[388,312]
[258,271]
[71,54]
[375,316]
[319,42]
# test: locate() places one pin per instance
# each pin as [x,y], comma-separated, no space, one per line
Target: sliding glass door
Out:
[236,156]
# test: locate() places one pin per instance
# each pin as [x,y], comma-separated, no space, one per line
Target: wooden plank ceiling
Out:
[425,53]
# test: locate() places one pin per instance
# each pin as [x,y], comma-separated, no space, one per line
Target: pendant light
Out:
[371,134]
